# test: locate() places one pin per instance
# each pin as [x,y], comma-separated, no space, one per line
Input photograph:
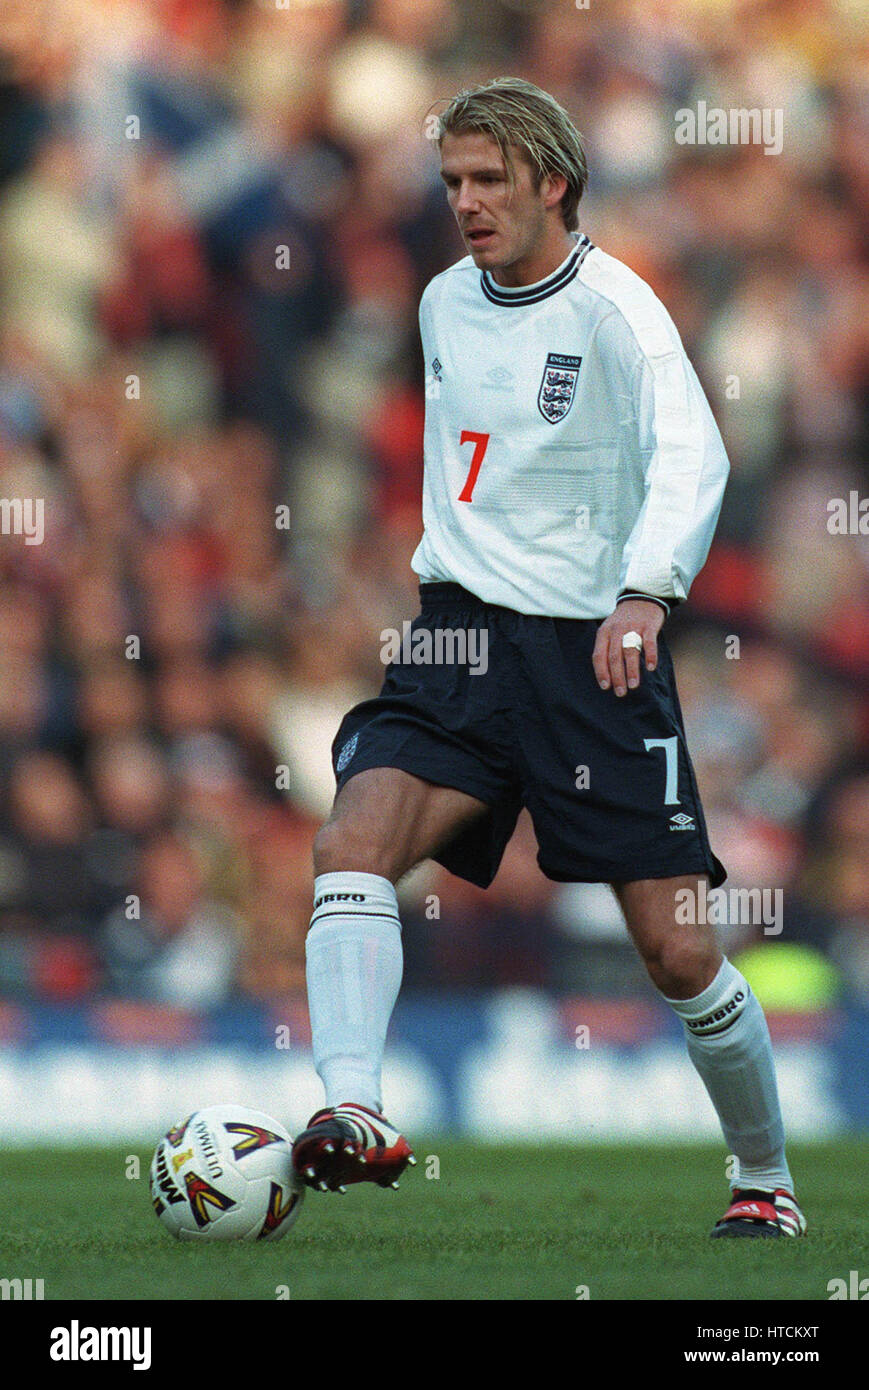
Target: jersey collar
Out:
[542,289]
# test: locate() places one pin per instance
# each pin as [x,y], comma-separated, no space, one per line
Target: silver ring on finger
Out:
[632,641]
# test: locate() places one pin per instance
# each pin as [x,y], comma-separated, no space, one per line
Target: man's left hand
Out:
[613,664]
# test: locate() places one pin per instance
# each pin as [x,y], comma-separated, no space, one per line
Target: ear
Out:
[552,189]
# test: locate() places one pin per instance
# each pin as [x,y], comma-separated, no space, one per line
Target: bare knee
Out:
[340,846]
[682,962]
[682,957]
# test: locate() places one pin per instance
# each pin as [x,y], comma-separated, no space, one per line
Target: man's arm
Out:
[685,475]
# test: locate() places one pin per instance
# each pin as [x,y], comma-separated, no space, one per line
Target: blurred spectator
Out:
[174,946]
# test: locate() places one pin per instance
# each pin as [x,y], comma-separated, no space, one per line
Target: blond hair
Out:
[514,112]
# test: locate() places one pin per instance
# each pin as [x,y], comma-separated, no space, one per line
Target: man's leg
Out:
[383,823]
[728,1040]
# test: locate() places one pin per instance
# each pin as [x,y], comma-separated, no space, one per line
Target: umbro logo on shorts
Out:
[682,822]
[346,753]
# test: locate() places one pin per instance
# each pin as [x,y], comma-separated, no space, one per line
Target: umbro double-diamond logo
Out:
[682,822]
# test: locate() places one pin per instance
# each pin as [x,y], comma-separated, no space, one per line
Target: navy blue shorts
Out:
[608,782]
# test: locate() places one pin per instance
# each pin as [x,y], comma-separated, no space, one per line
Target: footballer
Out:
[573,476]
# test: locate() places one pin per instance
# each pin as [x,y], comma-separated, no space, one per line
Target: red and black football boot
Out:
[349,1143]
[755,1213]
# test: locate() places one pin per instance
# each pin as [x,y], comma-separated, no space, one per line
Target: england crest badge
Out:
[558,387]
[347,751]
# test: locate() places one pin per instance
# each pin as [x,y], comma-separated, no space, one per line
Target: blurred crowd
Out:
[216,220]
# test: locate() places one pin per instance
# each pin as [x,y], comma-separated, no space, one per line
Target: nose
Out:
[467,201]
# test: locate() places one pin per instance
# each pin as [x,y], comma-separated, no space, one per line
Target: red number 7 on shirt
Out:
[480,443]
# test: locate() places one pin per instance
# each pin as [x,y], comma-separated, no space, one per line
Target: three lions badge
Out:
[558,387]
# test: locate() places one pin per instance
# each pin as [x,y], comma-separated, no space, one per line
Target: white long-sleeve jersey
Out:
[570,456]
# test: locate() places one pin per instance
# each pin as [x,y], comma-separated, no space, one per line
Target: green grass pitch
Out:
[627,1222]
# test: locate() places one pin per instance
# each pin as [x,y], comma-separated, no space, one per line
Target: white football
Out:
[225,1173]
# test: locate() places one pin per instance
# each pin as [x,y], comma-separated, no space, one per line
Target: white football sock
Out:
[354,965]
[729,1044]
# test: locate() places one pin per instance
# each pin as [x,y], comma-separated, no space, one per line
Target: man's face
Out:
[499,225]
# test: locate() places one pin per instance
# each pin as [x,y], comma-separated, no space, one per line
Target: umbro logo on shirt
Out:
[682,822]
[498,379]
[433,380]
